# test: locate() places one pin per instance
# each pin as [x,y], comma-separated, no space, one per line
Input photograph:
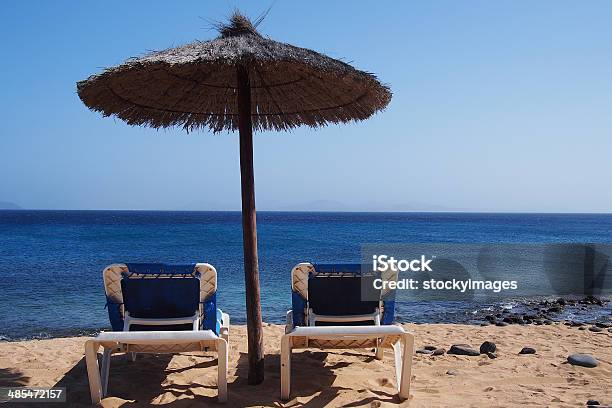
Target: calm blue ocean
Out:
[51,261]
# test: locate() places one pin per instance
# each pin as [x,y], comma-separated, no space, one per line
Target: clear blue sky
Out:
[497,106]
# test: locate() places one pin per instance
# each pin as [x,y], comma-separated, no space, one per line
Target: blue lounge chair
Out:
[157,308]
[328,313]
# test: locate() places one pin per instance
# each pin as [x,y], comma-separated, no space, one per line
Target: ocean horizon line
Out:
[310,211]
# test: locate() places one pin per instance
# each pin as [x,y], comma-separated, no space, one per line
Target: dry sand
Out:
[339,378]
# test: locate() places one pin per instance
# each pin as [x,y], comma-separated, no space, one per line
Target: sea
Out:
[51,262]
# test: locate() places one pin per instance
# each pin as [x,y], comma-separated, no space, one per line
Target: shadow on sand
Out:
[136,384]
[11,377]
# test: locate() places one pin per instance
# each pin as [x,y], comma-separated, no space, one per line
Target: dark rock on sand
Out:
[603,325]
[487,347]
[591,300]
[484,324]
[527,350]
[430,348]
[583,360]
[582,328]
[452,372]
[513,319]
[592,402]
[595,329]
[438,352]
[423,351]
[501,324]
[463,350]
[492,355]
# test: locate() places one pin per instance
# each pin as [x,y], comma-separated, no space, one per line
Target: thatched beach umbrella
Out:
[238,81]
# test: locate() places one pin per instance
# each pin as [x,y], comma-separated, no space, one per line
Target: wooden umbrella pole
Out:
[249,230]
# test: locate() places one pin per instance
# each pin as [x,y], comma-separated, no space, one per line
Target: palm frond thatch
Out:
[195,86]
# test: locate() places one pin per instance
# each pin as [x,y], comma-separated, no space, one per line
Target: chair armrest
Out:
[289,321]
[225,322]
[224,325]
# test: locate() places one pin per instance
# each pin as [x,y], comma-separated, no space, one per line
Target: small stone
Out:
[430,348]
[513,319]
[548,322]
[487,347]
[438,352]
[592,402]
[423,351]
[452,372]
[501,324]
[527,350]
[583,360]
[582,328]
[484,324]
[491,355]
[463,350]
[603,325]
[595,329]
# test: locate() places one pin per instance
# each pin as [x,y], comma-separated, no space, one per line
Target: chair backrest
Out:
[334,290]
[161,291]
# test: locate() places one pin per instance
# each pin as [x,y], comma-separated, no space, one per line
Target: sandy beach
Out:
[343,377]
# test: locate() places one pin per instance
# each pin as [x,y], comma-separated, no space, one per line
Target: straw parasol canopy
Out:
[195,86]
[238,81]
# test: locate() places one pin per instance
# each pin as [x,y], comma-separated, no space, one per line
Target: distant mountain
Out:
[7,205]
[330,205]
[316,205]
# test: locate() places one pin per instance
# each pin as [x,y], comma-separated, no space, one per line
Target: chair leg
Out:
[285,367]
[380,352]
[106,357]
[93,371]
[222,369]
[403,364]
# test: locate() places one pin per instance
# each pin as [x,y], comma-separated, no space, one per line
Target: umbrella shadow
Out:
[312,380]
[311,376]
